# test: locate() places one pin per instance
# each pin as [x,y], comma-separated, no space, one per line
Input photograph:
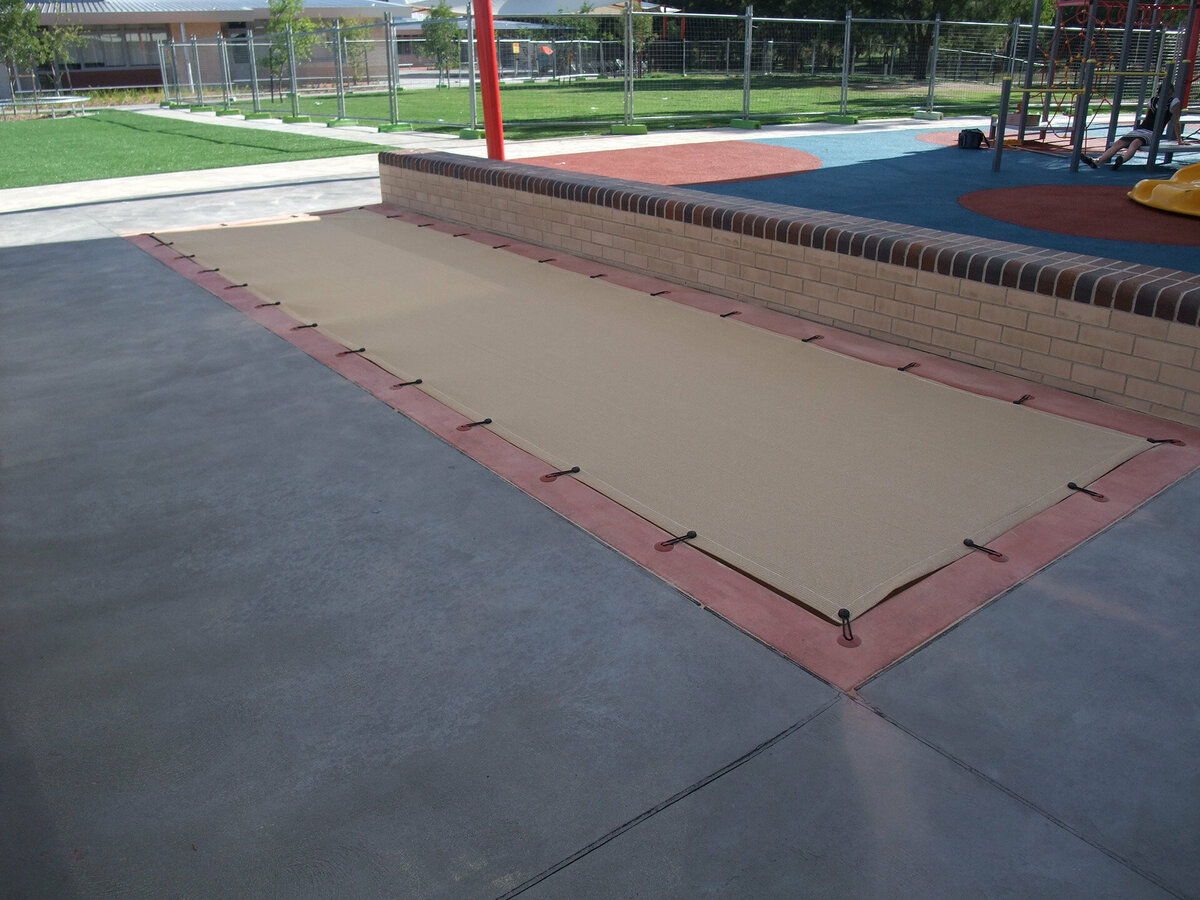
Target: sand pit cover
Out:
[833,480]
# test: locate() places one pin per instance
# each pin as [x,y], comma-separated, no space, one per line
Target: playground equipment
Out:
[1105,56]
[1178,194]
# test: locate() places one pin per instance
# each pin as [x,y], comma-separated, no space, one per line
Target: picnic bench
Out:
[54,103]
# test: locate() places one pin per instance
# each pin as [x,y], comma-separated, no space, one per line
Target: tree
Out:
[25,44]
[441,33]
[285,13]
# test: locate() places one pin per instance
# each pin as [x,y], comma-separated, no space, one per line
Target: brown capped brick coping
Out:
[1165,294]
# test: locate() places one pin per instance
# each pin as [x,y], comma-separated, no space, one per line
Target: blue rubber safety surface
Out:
[895,176]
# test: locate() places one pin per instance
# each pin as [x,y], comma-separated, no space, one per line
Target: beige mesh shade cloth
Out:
[833,480]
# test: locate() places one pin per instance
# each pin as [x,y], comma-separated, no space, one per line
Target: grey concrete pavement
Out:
[261,636]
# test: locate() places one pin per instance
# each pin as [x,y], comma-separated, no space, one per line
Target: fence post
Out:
[1030,60]
[1122,64]
[1081,110]
[162,68]
[226,77]
[471,66]
[339,69]
[199,72]
[1012,47]
[1162,114]
[1001,119]
[844,105]
[933,59]
[747,53]
[175,71]
[255,100]
[291,54]
[390,55]
[628,62]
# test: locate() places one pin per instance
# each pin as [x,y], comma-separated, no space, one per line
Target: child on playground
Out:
[1127,145]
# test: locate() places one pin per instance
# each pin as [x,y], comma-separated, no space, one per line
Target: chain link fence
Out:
[656,68]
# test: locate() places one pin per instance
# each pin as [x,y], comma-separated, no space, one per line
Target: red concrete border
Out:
[889,631]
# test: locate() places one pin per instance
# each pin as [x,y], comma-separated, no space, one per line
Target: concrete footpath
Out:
[261,636]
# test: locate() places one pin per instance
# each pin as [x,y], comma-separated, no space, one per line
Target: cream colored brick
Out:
[830,275]
[1030,302]
[1187,335]
[989,331]
[873,320]
[986,293]
[856,299]
[769,262]
[918,296]
[799,268]
[1080,353]
[1003,315]
[1139,325]
[1188,379]
[857,265]
[1038,343]
[1084,312]
[894,309]
[934,319]
[897,274]
[1052,326]
[1160,394]
[945,284]
[1106,338]
[1046,365]
[836,312]
[959,306]
[767,293]
[952,340]
[1099,378]
[913,331]
[820,290]
[1000,353]
[876,287]
[1131,365]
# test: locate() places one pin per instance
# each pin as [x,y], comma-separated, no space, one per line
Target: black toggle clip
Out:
[809,340]
[471,425]
[187,255]
[847,639]
[202,271]
[1093,494]
[298,327]
[405,384]
[548,259]
[352,352]
[397,216]
[574,470]
[427,224]
[995,555]
[1174,441]
[500,246]
[736,312]
[598,275]
[669,544]
[230,287]
[658,293]
[1020,400]
[908,366]
[261,305]
[461,234]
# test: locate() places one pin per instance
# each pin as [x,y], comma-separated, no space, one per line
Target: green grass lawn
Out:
[113,143]
[582,106]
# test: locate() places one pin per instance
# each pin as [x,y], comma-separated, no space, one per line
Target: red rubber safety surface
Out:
[1087,210]
[706,163]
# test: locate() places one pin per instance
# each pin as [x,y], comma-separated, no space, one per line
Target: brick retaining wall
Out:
[1120,332]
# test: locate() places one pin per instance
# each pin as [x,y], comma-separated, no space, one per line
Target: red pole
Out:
[489,78]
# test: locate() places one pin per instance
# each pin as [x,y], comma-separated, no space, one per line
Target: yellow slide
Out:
[1181,194]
